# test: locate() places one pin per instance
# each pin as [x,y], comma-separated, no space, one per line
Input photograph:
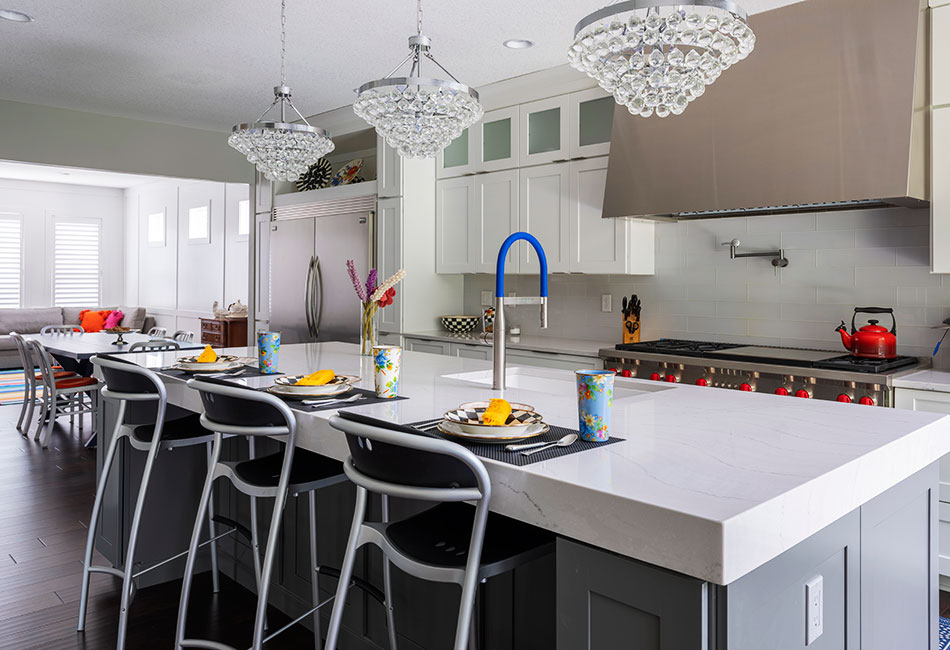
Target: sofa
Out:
[32,320]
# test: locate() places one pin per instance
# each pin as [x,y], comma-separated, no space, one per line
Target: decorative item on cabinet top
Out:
[347,173]
[316,177]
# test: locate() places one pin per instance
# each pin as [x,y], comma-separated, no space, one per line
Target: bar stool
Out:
[30,378]
[126,382]
[184,336]
[155,345]
[62,329]
[450,542]
[63,396]
[238,411]
[157,332]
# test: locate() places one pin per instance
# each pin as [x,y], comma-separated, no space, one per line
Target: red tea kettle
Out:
[871,341]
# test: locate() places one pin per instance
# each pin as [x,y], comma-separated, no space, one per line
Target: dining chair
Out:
[155,345]
[30,378]
[157,332]
[233,410]
[62,329]
[63,396]
[184,336]
[451,541]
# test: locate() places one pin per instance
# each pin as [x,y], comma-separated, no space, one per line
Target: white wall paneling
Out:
[41,203]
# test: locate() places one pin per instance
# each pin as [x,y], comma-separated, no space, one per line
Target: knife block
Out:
[631,329]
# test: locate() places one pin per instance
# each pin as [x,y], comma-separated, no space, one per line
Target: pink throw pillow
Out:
[114,319]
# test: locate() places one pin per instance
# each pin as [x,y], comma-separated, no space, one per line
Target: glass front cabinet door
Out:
[457,158]
[496,140]
[591,121]
[544,131]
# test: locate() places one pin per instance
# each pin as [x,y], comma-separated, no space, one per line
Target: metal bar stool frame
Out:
[29,382]
[362,533]
[62,329]
[157,332]
[155,345]
[152,447]
[219,468]
[52,405]
[184,336]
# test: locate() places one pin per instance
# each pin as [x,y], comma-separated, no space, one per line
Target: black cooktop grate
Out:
[859,364]
[677,346]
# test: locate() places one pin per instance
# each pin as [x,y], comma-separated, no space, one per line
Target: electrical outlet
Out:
[511,294]
[606,303]
[814,604]
[486,299]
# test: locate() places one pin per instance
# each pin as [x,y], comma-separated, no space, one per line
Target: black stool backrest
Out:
[399,459]
[123,376]
[232,405]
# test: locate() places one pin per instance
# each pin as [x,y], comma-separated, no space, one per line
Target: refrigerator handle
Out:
[308,290]
[318,305]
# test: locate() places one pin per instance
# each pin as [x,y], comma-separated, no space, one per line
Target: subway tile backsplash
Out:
[836,260]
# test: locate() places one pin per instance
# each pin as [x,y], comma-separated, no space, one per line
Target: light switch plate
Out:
[814,604]
[606,303]
[486,299]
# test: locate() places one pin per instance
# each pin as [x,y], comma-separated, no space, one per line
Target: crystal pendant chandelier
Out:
[418,116]
[281,150]
[656,56]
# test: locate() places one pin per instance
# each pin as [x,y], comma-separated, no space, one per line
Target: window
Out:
[199,230]
[156,229]
[244,218]
[76,263]
[11,260]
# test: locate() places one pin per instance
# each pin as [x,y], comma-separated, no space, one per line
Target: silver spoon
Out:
[566,441]
[318,402]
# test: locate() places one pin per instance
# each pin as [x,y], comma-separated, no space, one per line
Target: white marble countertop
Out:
[711,483]
[925,380]
[531,342]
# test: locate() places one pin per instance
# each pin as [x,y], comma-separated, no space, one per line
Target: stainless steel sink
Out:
[553,382]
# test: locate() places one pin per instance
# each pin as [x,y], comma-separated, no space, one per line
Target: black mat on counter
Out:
[369,397]
[497,452]
[241,373]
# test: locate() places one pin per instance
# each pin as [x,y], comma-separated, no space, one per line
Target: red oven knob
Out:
[801,392]
[781,390]
[702,382]
[670,379]
[844,398]
[655,376]
[746,388]
[626,373]
[614,370]
[867,401]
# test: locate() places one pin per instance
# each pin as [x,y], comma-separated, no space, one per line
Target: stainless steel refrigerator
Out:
[311,295]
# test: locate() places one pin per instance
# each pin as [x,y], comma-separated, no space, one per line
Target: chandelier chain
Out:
[283,42]
[418,16]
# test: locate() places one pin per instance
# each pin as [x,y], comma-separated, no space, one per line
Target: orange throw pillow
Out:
[93,321]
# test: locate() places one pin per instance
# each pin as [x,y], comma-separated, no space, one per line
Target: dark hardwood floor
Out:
[45,502]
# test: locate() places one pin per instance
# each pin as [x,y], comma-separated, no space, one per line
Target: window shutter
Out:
[11,260]
[76,263]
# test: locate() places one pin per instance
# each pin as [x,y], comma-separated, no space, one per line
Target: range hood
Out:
[829,112]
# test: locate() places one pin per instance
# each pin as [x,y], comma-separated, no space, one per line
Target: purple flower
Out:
[355,279]
[371,282]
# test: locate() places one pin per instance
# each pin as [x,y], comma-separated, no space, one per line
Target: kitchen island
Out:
[699,530]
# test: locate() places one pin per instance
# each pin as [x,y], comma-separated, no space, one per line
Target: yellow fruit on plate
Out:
[207,355]
[318,378]
[497,413]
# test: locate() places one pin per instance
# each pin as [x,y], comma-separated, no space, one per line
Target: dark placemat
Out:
[369,397]
[497,452]
[241,373]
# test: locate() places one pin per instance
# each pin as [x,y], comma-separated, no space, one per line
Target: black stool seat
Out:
[440,536]
[180,432]
[309,471]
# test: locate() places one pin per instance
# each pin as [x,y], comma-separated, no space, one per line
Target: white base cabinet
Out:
[515,357]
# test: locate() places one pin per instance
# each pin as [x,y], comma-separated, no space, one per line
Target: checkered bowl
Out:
[469,416]
[460,324]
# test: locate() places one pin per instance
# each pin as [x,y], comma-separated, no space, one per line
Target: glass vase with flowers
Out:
[373,297]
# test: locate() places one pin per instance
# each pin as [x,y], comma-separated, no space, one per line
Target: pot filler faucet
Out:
[498,336]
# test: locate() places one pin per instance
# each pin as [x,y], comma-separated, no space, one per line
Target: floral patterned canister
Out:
[386,360]
[595,392]
[268,352]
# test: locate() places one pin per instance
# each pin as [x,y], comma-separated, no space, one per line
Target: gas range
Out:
[798,372]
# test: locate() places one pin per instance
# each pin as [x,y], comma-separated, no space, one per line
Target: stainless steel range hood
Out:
[829,112]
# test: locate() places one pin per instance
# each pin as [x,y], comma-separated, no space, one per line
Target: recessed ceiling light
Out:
[518,44]
[16,16]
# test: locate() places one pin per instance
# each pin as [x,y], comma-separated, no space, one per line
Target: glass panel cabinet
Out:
[544,131]
[591,121]
[496,140]
[456,159]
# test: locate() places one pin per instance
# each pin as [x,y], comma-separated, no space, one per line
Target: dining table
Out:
[83,346]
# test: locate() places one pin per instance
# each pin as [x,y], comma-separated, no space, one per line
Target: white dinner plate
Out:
[288,385]
[469,416]
[297,391]
[453,429]
[223,363]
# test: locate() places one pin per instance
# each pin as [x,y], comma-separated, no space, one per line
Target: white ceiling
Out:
[214,64]
[70,175]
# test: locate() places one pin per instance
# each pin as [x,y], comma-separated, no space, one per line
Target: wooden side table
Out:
[224,332]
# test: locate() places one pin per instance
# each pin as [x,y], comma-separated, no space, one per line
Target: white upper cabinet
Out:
[591,120]
[495,141]
[389,257]
[545,214]
[598,245]
[940,190]
[545,136]
[940,55]
[455,225]
[496,217]
[457,159]
[388,170]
